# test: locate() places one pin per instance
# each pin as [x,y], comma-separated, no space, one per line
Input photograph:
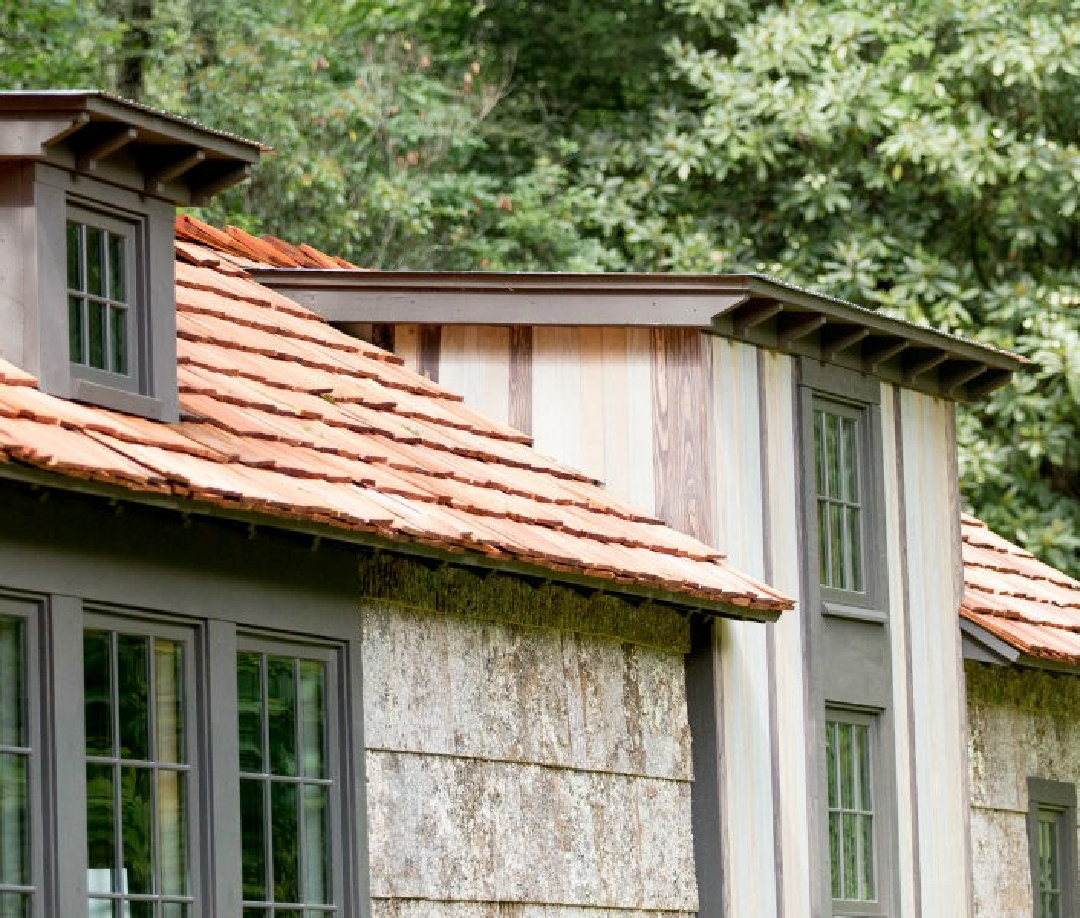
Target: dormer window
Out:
[89,186]
[103,319]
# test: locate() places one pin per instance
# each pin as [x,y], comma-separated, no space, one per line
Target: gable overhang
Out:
[751,308]
[114,498]
[981,645]
[94,133]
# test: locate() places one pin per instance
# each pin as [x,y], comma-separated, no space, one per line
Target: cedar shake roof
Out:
[285,418]
[1029,605]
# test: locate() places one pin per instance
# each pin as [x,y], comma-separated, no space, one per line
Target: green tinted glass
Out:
[96,320]
[14,820]
[316,844]
[14,905]
[133,695]
[137,827]
[95,260]
[97,693]
[76,329]
[285,841]
[12,683]
[118,341]
[172,832]
[117,267]
[312,717]
[100,827]
[250,707]
[169,701]
[75,264]
[253,839]
[281,715]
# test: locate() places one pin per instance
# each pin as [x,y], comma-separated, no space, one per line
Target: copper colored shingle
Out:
[1028,604]
[283,415]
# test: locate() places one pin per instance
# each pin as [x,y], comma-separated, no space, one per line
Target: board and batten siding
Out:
[518,771]
[703,432]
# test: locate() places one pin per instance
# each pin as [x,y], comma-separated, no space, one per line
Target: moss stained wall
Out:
[1022,723]
[526,771]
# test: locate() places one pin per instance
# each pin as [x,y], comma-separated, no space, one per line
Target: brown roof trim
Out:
[754,308]
[79,130]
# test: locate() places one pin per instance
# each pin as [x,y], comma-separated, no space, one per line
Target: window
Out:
[178,802]
[139,775]
[103,318]
[99,291]
[850,778]
[287,782]
[839,504]
[16,880]
[1052,844]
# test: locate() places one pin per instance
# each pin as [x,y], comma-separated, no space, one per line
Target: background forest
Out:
[920,157]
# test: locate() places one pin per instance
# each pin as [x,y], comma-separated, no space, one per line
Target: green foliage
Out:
[920,157]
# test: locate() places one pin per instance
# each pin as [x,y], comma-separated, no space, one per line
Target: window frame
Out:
[1059,798]
[96,618]
[29,611]
[877,906]
[133,230]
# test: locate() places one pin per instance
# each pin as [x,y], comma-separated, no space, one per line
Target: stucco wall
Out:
[521,771]
[1022,723]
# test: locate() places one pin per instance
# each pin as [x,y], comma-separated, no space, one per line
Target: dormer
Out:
[89,184]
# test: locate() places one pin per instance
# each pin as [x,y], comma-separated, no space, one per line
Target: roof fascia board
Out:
[759,310]
[985,647]
[688,603]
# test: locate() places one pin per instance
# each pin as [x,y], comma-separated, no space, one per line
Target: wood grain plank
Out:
[680,400]
[521,382]
[407,345]
[429,349]
[557,393]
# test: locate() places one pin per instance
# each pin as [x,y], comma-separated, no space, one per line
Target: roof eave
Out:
[686,602]
[760,310]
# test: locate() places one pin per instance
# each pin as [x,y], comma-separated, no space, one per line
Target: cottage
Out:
[1020,621]
[815,442]
[288,630]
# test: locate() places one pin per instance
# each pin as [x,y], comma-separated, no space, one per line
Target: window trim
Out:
[132,228]
[29,611]
[865,908]
[1058,797]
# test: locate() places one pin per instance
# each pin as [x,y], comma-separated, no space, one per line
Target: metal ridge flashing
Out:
[751,307]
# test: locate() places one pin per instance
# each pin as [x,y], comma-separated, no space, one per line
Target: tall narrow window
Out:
[16,889]
[849,764]
[138,775]
[1052,841]
[287,785]
[839,502]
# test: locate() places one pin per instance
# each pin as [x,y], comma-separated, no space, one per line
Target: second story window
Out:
[837,459]
[102,300]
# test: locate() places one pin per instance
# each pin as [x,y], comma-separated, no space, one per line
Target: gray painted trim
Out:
[704,712]
[1061,796]
[980,645]
[189,510]
[222,783]
[849,661]
[901,505]
[807,323]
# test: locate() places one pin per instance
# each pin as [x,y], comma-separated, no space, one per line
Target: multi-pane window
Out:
[138,774]
[839,501]
[99,274]
[16,885]
[849,766]
[1048,858]
[287,784]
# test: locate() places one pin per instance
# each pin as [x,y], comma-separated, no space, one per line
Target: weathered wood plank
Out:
[430,351]
[463,829]
[931,532]
[474,361]
[680,413]
[783,524]
[899,626]
[521,382]
[451,686]
[407,345]
[734,431]
[638,482]
[557,393]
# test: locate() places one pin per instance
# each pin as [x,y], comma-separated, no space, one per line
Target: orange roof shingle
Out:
[1028,604]
[284,415]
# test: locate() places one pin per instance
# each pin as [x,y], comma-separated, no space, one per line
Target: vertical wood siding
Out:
[747,788]
[512,770]
[472,359]
[901,665]
[934,581]
[789,653]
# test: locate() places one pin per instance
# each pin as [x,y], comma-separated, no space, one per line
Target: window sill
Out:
[118,400]
[853,613]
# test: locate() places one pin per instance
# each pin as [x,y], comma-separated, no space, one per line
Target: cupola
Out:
[89,184]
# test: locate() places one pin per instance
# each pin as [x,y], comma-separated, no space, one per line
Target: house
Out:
[287,628]
[815,442]
[1021,633]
